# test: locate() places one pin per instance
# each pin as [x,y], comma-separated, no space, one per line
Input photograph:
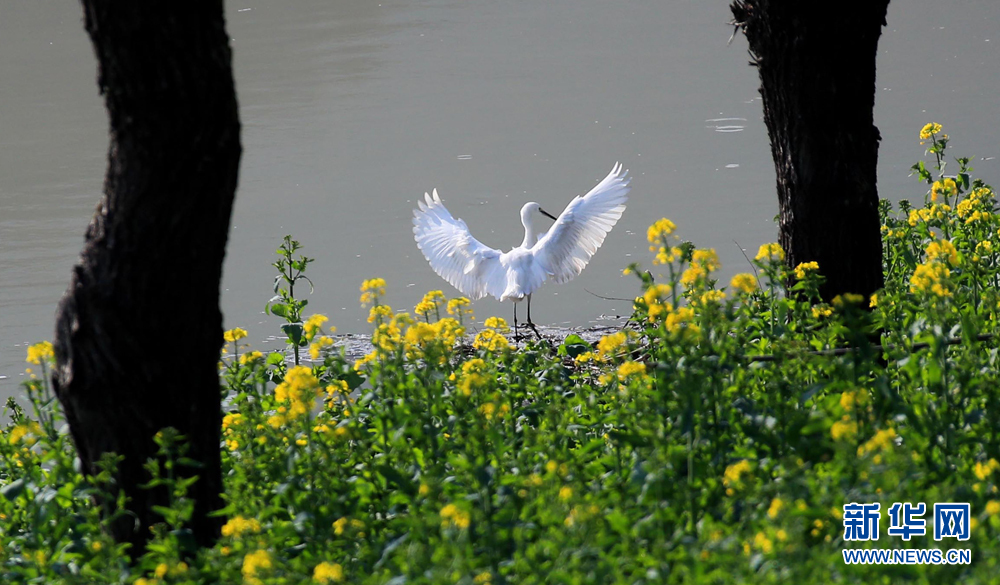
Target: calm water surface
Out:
[352,109]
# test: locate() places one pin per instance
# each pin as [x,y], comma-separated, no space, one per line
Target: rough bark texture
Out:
[817,70]
[139,330]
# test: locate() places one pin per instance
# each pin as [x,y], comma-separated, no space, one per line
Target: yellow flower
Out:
[497,323]
[96,546]
[28,432]
[844,429]
[744,282]
[883,441]
[610,344]
[929,130]
[659,230]
[313,324]
[300,388]
[338,526]
[803,269]
[328,573]
[993,507]
[587,357]
[692,275]
[454,517]
[873,301]
[371,290]
[565,493]
[256,562]
[161,570]
[250,357]
[770,253]
[631,368]
[927,278]
[946,188]
[40,351]
[942,250]
[712,297]
[734,473]
[763,543]
[707,258]
[820,311]
[681,318]
[775,508]
[459,306]
[316,348]
[490,340]
[664,254]
[237,526]
[379,312]
[234,334]
[985,470]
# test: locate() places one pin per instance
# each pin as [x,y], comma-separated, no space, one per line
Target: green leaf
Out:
[573,346]
[393,476]
[294,332]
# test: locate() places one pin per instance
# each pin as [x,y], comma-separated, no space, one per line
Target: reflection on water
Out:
[353,109]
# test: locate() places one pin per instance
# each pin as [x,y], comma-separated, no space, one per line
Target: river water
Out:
[352,109]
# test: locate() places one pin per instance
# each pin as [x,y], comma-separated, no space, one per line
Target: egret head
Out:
[529,209]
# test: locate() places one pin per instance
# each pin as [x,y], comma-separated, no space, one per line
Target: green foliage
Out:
[713,441]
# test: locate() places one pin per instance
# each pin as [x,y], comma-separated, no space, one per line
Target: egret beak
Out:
[547,214]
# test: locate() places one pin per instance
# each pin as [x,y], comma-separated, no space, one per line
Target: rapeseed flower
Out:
[237,526]
[629,369]
[660,230]
[313,324]
[929,277]
[610,344]
[41,351]
[844,429]
[744,282]
[490,340]
[256,563]
[929,130]
[372,290]
[942,250]
[497,323]
[234,334]
[454,517]
[734,473]
[805,268]
[770,253]
[328,573]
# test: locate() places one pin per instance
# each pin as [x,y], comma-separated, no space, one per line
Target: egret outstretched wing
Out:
[469,265]
[580,230]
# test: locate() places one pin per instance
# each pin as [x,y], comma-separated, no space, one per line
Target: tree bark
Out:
[817,70]
[139,330]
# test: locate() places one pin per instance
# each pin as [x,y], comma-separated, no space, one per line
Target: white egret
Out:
[477,270]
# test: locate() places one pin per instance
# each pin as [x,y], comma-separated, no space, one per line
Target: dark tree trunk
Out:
[139,330]
[817,71]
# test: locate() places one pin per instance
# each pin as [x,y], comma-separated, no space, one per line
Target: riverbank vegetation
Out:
[715,439]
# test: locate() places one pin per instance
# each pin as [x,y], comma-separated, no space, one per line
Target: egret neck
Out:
[530,237]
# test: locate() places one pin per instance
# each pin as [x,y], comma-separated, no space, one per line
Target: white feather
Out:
[563,252]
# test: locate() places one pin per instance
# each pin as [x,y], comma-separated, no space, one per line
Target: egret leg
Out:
[515,321]
[530,324]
